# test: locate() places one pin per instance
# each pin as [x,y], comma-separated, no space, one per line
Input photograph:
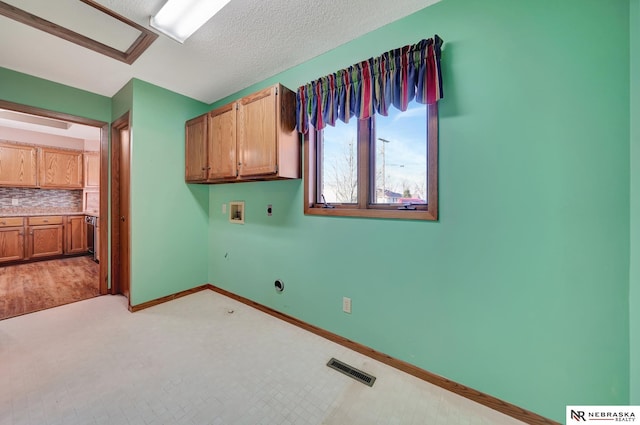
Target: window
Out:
[371,136]
[382,166]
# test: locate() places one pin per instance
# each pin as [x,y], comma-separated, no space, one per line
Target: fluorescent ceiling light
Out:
[179,19]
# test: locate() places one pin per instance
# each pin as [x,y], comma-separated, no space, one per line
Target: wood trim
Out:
[339,211]
[364,157]
[138,307]
[140,45]
[432,160]
[309,145]
[104,210]
[462,390]
[26,109]
[116,188]
[129,56]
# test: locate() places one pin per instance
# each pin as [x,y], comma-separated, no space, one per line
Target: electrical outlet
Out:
[15,201]
[346,304]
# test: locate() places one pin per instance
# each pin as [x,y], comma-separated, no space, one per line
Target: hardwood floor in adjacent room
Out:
[25,288]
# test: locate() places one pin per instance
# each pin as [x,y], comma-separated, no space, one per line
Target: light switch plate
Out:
[346,304]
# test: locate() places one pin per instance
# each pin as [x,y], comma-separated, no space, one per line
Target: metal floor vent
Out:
[356,374]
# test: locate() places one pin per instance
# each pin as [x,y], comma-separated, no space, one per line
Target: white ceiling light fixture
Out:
[179,19]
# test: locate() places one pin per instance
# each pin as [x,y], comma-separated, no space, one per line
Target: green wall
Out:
[168,217]
[28,90]
[634,275]
[521,288]
[122,102]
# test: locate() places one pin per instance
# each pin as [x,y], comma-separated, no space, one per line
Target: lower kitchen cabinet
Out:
[75,235]
[40,237]
[45,236]
[11,239]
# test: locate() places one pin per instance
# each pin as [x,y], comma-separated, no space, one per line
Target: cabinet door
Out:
[60,169]
[75,235]
[222,143]
[45,241]
[91,170]
[196,149]
[257,141]
[17,165]
[91,201]
[11,243]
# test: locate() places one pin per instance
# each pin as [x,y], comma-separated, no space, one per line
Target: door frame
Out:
[116,188]
[103,284]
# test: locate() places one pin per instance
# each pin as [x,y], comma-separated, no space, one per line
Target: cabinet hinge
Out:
[276,91]
[276,169]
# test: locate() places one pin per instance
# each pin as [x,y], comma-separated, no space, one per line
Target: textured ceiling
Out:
[245,43]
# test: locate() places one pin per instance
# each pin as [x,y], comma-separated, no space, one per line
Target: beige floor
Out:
[193,361]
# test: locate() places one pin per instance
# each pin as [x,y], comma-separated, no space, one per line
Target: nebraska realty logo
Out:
[578,414]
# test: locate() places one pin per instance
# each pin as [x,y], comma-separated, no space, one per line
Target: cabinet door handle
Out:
[203,168]
[122,218]
[45,221]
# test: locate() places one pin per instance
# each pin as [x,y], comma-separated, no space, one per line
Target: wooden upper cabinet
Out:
[60,169]
[91,201]
[18,165]
[196,149]
[253,138]
[91,170]
[222,143]
[257,137]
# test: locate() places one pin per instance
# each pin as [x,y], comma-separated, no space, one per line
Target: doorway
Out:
[45,126]
[120,207]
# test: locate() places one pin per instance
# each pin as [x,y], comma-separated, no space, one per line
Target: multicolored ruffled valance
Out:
[369,87]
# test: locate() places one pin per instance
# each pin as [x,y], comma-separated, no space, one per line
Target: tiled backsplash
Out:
[39,200]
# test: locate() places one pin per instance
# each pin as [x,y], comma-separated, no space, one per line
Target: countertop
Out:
[38,213]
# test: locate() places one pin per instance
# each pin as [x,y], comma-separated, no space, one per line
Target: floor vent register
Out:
[356,374]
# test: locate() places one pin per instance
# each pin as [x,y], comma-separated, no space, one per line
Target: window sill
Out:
[372,213]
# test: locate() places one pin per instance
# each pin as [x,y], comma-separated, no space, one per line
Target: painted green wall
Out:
[168,217]
[122,101]
[521,289]
[28,90]
[634,274]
